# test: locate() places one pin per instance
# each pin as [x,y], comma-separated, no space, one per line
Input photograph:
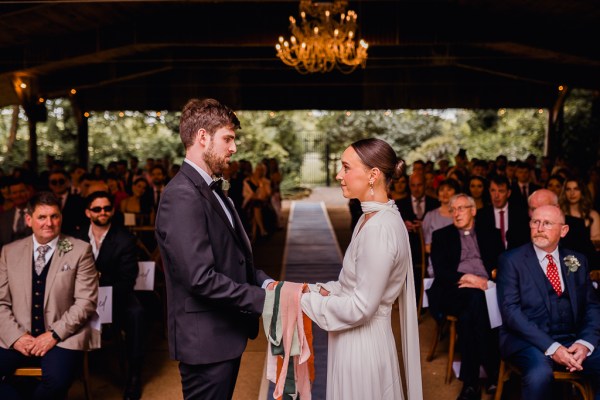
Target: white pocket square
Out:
[66,267]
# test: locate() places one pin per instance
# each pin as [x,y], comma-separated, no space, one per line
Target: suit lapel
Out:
[240,227]
[26,266]
[207,193]
[55,265]
[106,248]
[537,274]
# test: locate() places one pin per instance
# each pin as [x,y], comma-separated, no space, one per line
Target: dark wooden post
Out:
[552,143]
[33,153]
[81,117]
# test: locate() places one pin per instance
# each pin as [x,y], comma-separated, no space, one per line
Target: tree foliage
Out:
[580,138]
[414,134]
[114,136]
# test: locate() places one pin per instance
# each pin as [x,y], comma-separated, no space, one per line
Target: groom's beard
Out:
[215,162]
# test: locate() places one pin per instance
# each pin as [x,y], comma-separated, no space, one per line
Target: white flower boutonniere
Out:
[64,246]
[225,185]
[572,263]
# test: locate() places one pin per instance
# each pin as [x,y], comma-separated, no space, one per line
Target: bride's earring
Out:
[371,186]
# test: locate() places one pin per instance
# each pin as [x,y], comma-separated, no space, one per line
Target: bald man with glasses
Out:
[550,314]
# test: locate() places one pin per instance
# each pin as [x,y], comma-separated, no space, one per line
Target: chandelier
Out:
[321,42]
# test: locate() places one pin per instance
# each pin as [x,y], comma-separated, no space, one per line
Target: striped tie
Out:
[40,261]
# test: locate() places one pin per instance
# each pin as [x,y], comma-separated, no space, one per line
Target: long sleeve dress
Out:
[362,360]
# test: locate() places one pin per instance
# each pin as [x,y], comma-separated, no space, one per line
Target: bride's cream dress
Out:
[362,362]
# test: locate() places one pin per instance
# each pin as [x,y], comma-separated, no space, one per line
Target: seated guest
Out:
[72,205]
[158,178]
[5,201]
[139,203]
[576,201]
[463,256]
[48,292]
[508,217]
[551,317]
[115,252]
[12,222]
[523,186]
[412,210]
[441,216]
[257,196]
[478,189]
[116,188]
[555,183]
[577,237]
[399,188]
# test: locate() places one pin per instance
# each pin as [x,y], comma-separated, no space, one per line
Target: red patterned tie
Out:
[552,273]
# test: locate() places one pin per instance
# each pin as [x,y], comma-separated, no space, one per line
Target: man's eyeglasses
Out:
[57,181]
[98,209]
[536,223]
[459,209]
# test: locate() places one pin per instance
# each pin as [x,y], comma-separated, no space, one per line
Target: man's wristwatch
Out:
[55,336]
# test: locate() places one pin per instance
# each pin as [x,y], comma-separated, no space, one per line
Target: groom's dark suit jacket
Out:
[525,304]
[213,290]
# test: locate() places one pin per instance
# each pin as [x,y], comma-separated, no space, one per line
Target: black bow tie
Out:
[217,185]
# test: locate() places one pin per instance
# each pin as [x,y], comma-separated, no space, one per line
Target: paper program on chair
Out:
[145,278]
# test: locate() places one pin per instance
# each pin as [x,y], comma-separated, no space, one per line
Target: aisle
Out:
[311,254]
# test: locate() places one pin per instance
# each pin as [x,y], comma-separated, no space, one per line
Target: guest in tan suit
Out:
[48,292]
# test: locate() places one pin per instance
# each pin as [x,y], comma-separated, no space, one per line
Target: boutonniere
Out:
[572,263]
[64,246]
[225,185]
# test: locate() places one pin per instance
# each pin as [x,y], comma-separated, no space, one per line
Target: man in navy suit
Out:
[551,317]
[578,237]
[214,294]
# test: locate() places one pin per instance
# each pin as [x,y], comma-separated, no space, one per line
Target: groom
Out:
[551,315]
[214,294]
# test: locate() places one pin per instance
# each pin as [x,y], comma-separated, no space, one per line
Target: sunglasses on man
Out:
[98,209]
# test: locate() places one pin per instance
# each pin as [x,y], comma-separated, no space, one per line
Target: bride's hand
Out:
[324,292]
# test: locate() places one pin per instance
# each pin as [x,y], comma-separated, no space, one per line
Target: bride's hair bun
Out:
[399,169]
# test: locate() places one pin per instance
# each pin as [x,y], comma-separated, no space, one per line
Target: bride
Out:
[377,269]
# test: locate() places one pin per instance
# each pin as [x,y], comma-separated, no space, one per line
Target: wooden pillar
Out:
[26,89]
[553,139]
[81,117]
[33,153]
[596,123]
